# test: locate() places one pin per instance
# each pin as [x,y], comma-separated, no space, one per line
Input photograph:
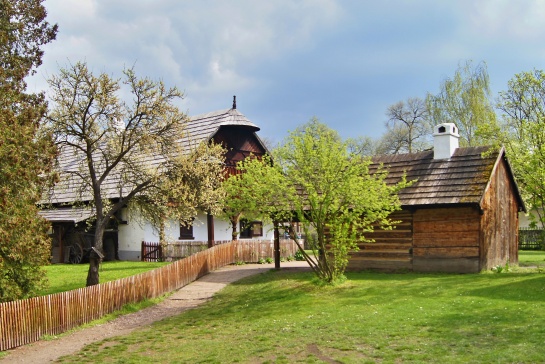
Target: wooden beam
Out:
[276,246]
[210,228]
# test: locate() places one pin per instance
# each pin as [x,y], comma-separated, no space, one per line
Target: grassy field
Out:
[65,277]
[529,258]
[281,317]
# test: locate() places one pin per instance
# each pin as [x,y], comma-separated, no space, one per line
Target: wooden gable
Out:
[240,142]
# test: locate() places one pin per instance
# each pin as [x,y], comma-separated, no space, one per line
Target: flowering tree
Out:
[129,152]
[317,183]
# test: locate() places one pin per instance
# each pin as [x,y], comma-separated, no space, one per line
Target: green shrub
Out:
[299,255]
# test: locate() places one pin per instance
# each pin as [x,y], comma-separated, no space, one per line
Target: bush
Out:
[299,255]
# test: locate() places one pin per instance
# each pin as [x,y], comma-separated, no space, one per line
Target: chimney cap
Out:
[446,128]
[445,140]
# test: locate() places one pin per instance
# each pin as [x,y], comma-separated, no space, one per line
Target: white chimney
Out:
[445,140]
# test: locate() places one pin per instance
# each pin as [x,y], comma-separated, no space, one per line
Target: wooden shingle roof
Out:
[461,179]
[199,128]
[203,127]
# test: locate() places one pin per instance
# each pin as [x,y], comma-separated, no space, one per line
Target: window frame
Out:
[186,232]
[250,229]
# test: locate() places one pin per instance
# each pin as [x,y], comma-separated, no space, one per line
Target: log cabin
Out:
[69,216]
[460,214]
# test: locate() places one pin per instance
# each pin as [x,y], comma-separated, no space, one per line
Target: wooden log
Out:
[447,226]
[442,239]
[449,252]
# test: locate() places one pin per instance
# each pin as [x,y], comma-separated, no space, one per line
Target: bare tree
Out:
[120,151]
[363,146]
[408,128]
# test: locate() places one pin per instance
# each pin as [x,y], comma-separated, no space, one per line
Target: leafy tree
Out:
[316,182]
[25,155]
[522,131]
[465,101]
[408,127]
[129,153]
[259,191]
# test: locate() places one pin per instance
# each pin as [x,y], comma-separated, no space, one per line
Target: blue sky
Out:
[343,61]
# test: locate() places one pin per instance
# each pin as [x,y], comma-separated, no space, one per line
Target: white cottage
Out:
[124,236]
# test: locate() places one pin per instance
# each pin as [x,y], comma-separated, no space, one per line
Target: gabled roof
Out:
[203,127]
[461,179]
[199,128]
[67,214]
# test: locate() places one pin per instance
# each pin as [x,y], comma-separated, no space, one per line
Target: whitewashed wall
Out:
[132,234]
[524,219]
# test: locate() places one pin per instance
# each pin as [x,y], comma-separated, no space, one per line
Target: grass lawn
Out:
[281,317]
[531,258]
[65,277]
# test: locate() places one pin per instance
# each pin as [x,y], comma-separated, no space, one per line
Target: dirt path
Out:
[184,299]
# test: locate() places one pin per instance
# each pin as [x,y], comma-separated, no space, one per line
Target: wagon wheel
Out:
[76,253]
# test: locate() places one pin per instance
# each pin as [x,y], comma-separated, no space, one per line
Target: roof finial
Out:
[234,102]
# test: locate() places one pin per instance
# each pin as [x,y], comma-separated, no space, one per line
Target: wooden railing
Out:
[531,239]
[248,251]
[25,321]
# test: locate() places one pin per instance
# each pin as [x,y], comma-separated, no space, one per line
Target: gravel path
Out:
[183,299]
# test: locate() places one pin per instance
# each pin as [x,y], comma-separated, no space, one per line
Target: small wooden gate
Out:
[151,252]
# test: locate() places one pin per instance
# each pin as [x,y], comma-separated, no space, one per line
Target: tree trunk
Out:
[276,246]
[94,259]
[234,233]
[92,275]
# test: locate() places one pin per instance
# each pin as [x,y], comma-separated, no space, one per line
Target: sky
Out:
[342,61]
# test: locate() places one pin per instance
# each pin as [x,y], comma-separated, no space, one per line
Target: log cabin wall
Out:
[446,240]
[391,249]
[425,240]
[499,242]
[460,214]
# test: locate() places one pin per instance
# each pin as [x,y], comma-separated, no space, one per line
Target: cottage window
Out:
[251,229]
[186,232]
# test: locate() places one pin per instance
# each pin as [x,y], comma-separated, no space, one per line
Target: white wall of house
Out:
[131,235]
[525,221]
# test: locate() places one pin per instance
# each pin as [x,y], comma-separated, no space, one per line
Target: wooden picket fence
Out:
[155,251]
[26,321]
[531,239]
[248,251]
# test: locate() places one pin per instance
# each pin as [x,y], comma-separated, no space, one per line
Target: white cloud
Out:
[202,46]
[513,20]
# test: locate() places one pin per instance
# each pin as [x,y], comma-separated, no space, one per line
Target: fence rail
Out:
[248,251]
[25,321]
[531,239]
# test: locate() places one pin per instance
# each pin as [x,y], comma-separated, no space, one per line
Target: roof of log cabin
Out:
[461,179]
